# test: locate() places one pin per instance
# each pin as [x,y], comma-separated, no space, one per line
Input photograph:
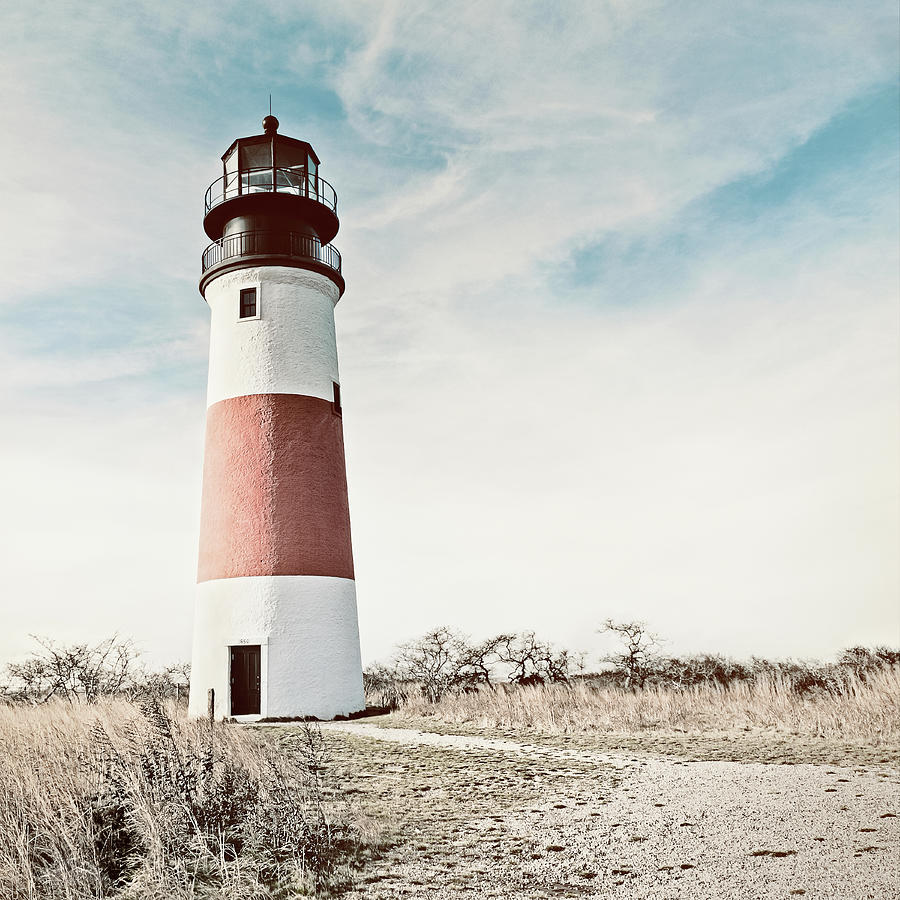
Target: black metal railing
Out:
[271,243]
[293,180]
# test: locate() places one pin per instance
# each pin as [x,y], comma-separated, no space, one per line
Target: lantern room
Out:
[266,175]
[255,164]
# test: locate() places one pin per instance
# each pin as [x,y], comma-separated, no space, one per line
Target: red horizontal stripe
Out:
[274,489]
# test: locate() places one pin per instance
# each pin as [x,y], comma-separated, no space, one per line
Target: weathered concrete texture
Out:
[308,630]
[274,489]
[289,349]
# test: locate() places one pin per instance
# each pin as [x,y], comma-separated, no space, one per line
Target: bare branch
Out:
[639,646]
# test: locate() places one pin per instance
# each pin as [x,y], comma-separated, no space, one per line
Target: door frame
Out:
[241,641]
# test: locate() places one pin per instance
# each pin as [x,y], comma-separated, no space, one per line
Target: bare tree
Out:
[478,662]
[169,683]
[445,661]
[862,660]
[638,652]
[532,661]
[74,671]
[437,660]
[386,686]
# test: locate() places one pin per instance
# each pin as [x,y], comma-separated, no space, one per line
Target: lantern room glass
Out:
[270,163]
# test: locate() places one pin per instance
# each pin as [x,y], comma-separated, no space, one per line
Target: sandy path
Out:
[615,825]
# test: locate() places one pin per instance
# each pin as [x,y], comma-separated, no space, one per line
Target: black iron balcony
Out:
[272,248]
[296,181]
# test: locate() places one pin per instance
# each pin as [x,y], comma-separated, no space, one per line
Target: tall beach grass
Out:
[864,708]
[113,800]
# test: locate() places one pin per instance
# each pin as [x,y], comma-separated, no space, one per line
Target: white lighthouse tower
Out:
[275,631]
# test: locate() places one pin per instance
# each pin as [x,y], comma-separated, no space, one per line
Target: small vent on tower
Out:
[248,303]
[336,404]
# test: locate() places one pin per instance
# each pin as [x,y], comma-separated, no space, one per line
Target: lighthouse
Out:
[275,627]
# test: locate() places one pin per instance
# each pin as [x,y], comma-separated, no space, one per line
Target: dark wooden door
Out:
[245,680]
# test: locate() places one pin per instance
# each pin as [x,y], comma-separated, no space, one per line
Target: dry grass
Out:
[110,800]
[863,709]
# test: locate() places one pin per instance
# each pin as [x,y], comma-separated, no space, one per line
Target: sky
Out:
[620,335]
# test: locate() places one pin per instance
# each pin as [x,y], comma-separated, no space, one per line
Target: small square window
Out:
[248,303]
[336,405]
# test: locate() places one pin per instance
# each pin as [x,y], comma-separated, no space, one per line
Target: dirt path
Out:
[475,817]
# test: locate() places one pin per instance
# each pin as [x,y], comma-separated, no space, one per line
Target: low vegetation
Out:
[518,681]
[87,672]
[108,791]
[859,709]
[114,799]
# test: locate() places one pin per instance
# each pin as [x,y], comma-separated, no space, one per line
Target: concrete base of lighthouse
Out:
[306,628]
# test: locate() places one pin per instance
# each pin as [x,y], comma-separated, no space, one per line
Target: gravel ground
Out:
[469,816]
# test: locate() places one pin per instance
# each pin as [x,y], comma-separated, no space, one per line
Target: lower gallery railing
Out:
[271,243]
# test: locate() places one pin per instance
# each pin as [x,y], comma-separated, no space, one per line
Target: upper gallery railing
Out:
[294,181]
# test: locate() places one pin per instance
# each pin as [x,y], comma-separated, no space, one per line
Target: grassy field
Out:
[604,783]
[121,800]
[863,710]
[112,799]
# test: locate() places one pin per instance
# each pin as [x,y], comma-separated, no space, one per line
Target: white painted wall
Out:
[308,627]
[289,348]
